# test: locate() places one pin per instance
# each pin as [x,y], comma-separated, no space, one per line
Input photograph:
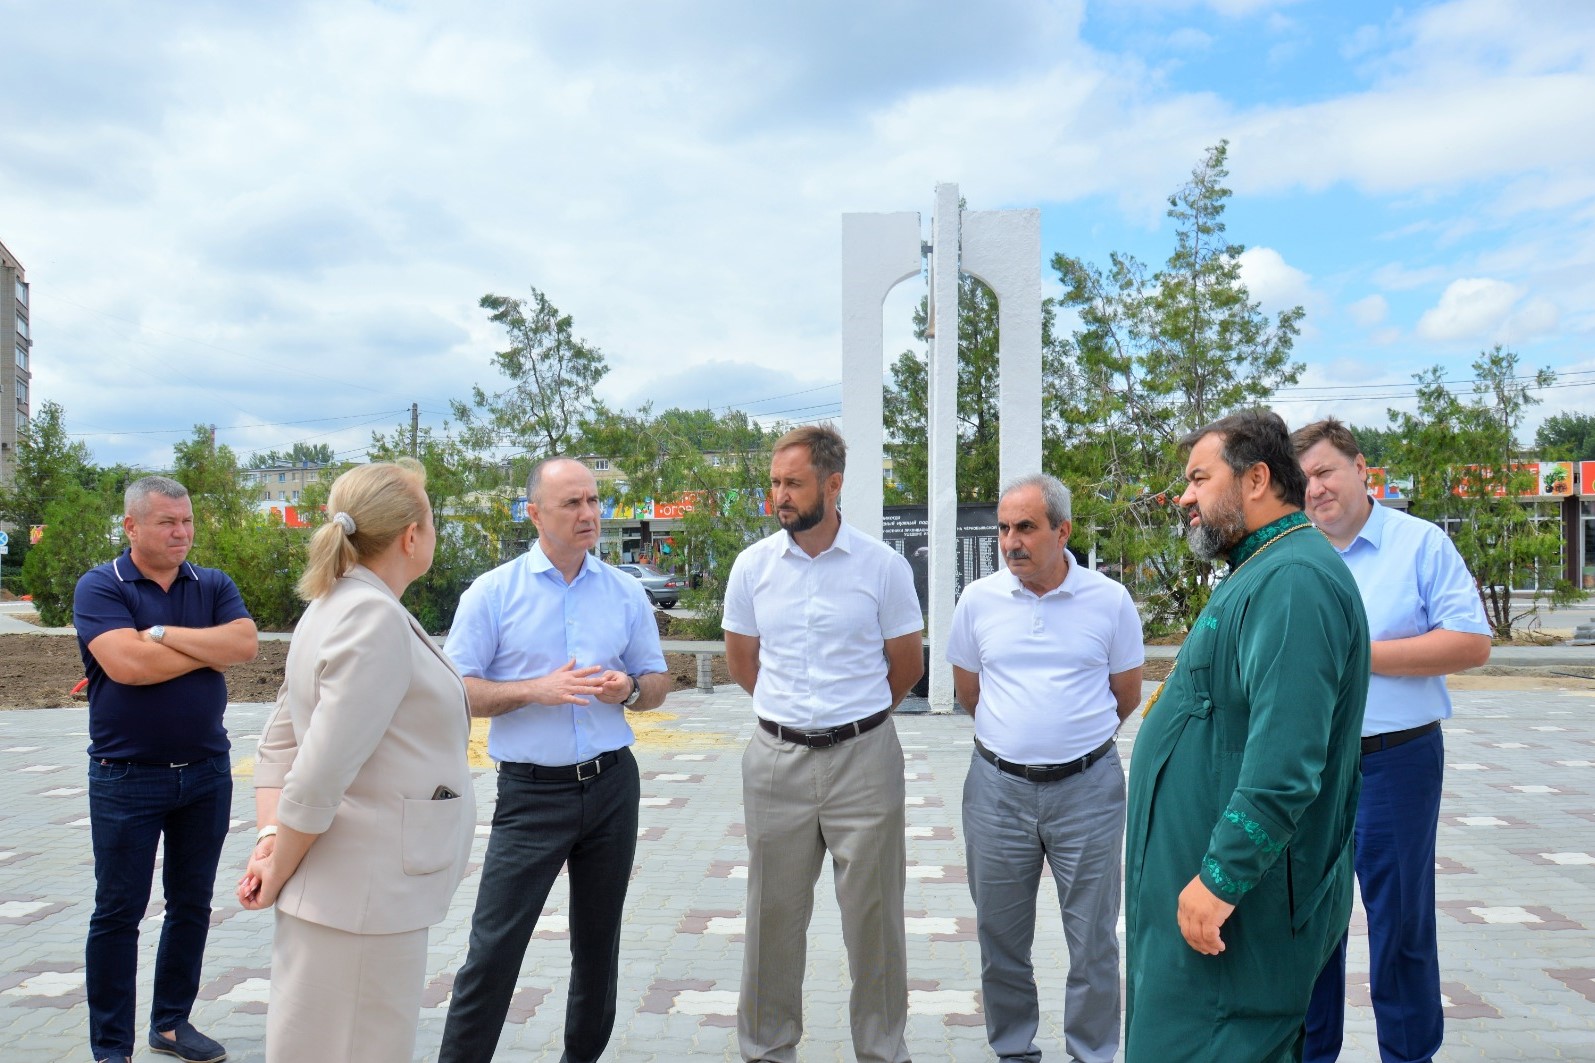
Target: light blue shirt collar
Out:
[538,562]
[1373,529]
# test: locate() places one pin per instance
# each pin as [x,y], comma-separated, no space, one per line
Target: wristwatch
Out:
[158,633]
[636,692]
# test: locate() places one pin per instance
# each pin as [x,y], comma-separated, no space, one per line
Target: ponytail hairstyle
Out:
[370,506]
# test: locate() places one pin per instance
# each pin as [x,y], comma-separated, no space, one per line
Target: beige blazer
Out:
[372,718]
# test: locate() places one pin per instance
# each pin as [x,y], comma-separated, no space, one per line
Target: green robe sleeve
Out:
[1293,642]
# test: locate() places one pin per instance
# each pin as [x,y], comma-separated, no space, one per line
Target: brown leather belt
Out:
[1392,739]
[1044,772]
[828,737]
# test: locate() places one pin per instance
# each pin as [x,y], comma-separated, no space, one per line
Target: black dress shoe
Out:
[189,1045]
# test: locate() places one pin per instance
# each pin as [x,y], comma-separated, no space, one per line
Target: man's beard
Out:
[1223,525]
[803,520]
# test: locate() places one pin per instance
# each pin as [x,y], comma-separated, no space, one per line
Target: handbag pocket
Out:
[431,834]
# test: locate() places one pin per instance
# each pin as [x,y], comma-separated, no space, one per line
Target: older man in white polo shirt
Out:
[1047,657]
[823,629]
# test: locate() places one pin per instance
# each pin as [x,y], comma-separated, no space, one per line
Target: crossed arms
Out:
[131,657]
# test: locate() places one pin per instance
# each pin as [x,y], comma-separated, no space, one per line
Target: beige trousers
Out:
[800,803]
[342,996]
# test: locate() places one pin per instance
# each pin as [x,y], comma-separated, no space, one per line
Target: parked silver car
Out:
[663,588]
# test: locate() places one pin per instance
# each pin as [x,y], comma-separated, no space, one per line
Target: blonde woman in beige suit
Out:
[361,785]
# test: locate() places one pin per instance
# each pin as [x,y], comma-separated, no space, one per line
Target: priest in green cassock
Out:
[1244,783]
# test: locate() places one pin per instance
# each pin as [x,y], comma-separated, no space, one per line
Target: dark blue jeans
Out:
[1397,822]
[131,806]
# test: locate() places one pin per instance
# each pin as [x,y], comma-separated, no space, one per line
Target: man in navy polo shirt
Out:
[156,634]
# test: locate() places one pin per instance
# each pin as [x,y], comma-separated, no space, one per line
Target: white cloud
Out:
[1472,308]
[291,217]
[1273,282]
[1369,310]
[1536,317]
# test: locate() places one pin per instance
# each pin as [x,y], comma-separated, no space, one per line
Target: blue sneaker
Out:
[190,1045]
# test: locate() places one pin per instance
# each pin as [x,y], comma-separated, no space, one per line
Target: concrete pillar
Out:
[879,252]
[942,441]
[1003,249]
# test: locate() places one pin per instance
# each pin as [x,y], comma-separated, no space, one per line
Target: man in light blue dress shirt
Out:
[555,647]
[1426,622]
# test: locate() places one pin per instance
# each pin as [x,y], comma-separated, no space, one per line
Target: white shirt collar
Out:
[843,541]
[1069,587]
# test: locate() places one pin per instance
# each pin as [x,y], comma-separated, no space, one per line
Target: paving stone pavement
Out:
[1516,891]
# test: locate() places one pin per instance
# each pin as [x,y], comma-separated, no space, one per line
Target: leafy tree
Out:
[1461,456]
[210,472]
[1154,356]
[315,454]
[1378,444]
[906,402]
[47,460]
[263,556]
[78,526]
[1566,436]
[551,375]
[721,461]
[471,509]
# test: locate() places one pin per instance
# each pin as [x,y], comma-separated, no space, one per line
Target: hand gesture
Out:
[617,687]
[569,685]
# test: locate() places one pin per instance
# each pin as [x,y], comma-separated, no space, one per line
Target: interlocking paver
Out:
[1516,889]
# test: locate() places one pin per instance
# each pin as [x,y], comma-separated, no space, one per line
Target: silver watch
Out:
[158,633]
[636,692]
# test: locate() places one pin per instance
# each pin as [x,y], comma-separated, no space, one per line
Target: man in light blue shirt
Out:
[1426,621]
[555,646]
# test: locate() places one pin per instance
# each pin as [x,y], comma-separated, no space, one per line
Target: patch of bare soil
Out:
[1157,669]
[39,671]
[1576,678]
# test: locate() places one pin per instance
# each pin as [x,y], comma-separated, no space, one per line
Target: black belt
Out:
[1044,772]
[146,763]
[1392,739]
[587,769]
[830,736]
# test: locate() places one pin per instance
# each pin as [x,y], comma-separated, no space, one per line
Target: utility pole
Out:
[415,428]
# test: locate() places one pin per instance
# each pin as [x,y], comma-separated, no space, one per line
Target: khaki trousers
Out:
[800,803]
[342,996]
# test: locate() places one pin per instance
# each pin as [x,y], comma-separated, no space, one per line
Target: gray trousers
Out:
[1075,825]
[800,803]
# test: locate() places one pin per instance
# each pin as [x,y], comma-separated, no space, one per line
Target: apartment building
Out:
[284,483]
[16,342]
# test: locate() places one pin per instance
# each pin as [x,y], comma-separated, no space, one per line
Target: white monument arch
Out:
[1002,248]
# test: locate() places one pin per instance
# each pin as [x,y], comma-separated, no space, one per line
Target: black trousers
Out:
[539,827]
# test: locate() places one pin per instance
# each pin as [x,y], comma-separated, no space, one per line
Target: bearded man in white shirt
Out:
[822,627]
[1047,658]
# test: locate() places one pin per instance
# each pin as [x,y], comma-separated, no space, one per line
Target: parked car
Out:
[663,588]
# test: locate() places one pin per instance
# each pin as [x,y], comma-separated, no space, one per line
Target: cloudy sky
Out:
[279,218]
